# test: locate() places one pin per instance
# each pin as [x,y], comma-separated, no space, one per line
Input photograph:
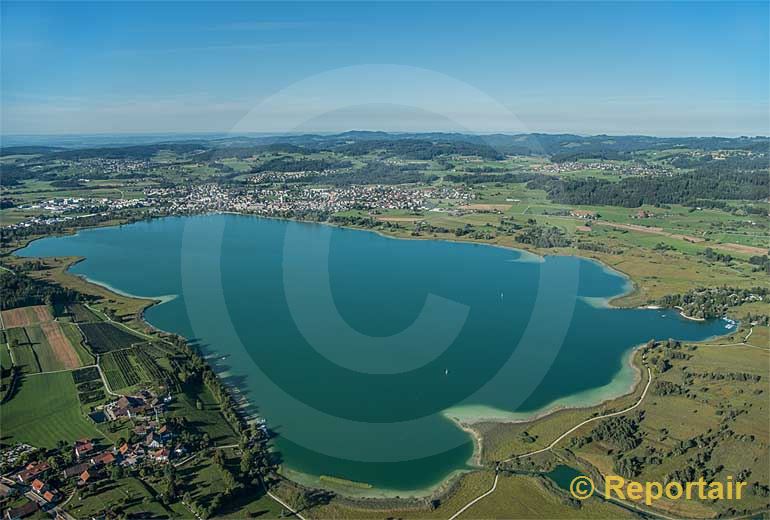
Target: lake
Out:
[358,349]
[563,475]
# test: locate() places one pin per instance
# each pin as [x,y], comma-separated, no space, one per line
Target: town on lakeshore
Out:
[384,260]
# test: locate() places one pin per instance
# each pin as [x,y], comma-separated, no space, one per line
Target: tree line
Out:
[21,291]
[713,302]
[289,164]
[684,188]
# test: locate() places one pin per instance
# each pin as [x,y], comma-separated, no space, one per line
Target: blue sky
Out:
[683,68]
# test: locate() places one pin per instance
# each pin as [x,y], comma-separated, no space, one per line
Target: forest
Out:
[377,172]
[736,179]
[420,149]
[713,302]
[20,291]
[287,164]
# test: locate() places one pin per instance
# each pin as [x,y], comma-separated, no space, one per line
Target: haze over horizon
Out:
[124,138]
[678,69]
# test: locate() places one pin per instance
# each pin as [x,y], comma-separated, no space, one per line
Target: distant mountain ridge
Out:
[489,144]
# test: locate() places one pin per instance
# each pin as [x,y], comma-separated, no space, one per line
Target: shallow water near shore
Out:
[357,348]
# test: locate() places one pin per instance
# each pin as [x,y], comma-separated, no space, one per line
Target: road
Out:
[59,371]
[284,504]
[740,344]
[469,504]
[592,419]
[104,378]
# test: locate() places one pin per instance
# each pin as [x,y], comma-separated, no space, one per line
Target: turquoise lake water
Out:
[357,348]
[563,475]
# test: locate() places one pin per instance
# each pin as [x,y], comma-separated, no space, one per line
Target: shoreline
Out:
[527,254]
[685,316]
[370,496]
[475,461]
[478,441]
[157,300]
[564,403]
[469,424]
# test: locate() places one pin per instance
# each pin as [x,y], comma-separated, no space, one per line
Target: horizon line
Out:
[389,132]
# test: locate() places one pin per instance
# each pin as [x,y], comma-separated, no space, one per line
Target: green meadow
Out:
[45,410]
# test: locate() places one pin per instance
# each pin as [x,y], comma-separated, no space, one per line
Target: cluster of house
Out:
[154,447]
[56,211]
[102,165]
[583,214]
[135,406]
[281,201]
[31,481]
[44,491]
[622,167]
[642,214]
[42,220]
[91,462]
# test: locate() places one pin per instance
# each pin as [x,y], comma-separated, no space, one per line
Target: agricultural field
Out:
[45,410]
[16,336]
[89,386]
[5,357]
[78,342]
[105,337]
[91,392]
[25,316]
[53,348]
[120,369]
[25,359]
[22,351]
[44,352]
[153,362]
[48,344]
[84,375]
[5,371]
[129,367]
[81,314]
[54,270]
